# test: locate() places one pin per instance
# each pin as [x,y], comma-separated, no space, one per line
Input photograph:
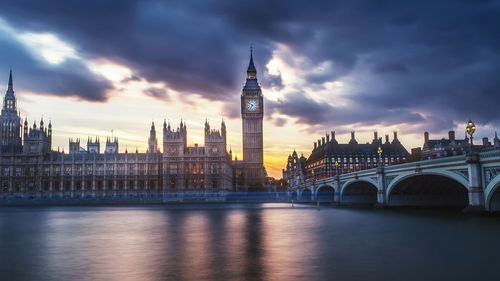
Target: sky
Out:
[102,68]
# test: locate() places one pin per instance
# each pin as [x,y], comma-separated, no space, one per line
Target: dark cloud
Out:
[272,81]
[448,51]
[158,93]
[391,68]
[310,112]
[70,78]
[131,79]
[279,122]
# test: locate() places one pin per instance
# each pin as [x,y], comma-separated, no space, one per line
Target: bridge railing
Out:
[409,165]
[489,154]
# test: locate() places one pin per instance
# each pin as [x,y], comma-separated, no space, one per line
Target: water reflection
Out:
[243,242]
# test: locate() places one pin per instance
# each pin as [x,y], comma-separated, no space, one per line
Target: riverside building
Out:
[329,158]
[29,168]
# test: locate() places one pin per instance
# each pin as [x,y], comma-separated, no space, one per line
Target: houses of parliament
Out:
[29,167]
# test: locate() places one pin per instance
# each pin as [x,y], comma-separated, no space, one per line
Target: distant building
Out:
[295,171]
[352,156]
[196,168]
[30,168]
[10,122]
[437,148]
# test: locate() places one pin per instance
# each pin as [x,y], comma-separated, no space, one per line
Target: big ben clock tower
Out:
[252,113]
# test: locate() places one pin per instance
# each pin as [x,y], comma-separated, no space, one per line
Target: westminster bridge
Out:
[470,180]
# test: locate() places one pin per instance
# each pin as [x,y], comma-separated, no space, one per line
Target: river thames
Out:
[245,242]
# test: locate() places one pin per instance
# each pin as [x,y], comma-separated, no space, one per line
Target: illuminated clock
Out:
[252,105]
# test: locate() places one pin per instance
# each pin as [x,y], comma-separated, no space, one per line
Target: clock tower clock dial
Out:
[252,113]
[252,105]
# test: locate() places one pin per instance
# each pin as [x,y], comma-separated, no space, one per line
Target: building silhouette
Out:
[30,168]
[252,114]
[328,158]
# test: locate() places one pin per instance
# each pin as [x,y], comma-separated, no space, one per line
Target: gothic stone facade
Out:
[352,156]
[30,168]
[252,114]
[196,169]
[295,171]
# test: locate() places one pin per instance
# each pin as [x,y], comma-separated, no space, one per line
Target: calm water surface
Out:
[245,242]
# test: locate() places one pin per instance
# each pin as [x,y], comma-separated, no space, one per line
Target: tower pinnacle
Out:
[251,67]
[10,88]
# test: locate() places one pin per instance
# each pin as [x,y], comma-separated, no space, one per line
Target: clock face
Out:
[252,105]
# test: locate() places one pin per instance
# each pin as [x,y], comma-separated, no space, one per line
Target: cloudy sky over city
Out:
[97,66]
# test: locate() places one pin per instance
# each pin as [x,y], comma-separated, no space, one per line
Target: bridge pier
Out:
[381,200]
[313,191]
[476,194]
[336,189]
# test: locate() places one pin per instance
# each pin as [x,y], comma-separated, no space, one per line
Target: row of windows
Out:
[355,160]
[194,168]
[78,171]
[81,185]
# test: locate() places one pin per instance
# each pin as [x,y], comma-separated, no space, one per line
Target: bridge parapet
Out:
[479,173]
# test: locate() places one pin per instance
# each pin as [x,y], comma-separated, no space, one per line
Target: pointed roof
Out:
[251,66]
[353,139]
[10,88]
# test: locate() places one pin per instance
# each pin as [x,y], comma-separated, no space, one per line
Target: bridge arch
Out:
[325,193]
[306,194]
[435,188]
[492,194]
[406,175]
[359,191]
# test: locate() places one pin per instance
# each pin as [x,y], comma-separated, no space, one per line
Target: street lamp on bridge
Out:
[471,128]
[379,151]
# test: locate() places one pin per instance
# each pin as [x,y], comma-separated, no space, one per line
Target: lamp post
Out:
[379,151]
[328,162]
[336,167]
[471,128]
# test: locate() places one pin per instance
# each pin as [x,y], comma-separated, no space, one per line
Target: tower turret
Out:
[223,131]
[26,126]
[10,122]
[111,145]
[251,70]
[353,139]
[93,146]
[74,146]
[152,141]
[207,126]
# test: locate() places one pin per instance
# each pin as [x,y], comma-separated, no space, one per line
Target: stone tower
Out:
[152,141]
[111,145]
[10,121]
[174,144]
[93,146]
[252,113]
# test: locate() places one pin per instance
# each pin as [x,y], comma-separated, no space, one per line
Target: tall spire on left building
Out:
[10,121]
[10,88]
[9,102]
